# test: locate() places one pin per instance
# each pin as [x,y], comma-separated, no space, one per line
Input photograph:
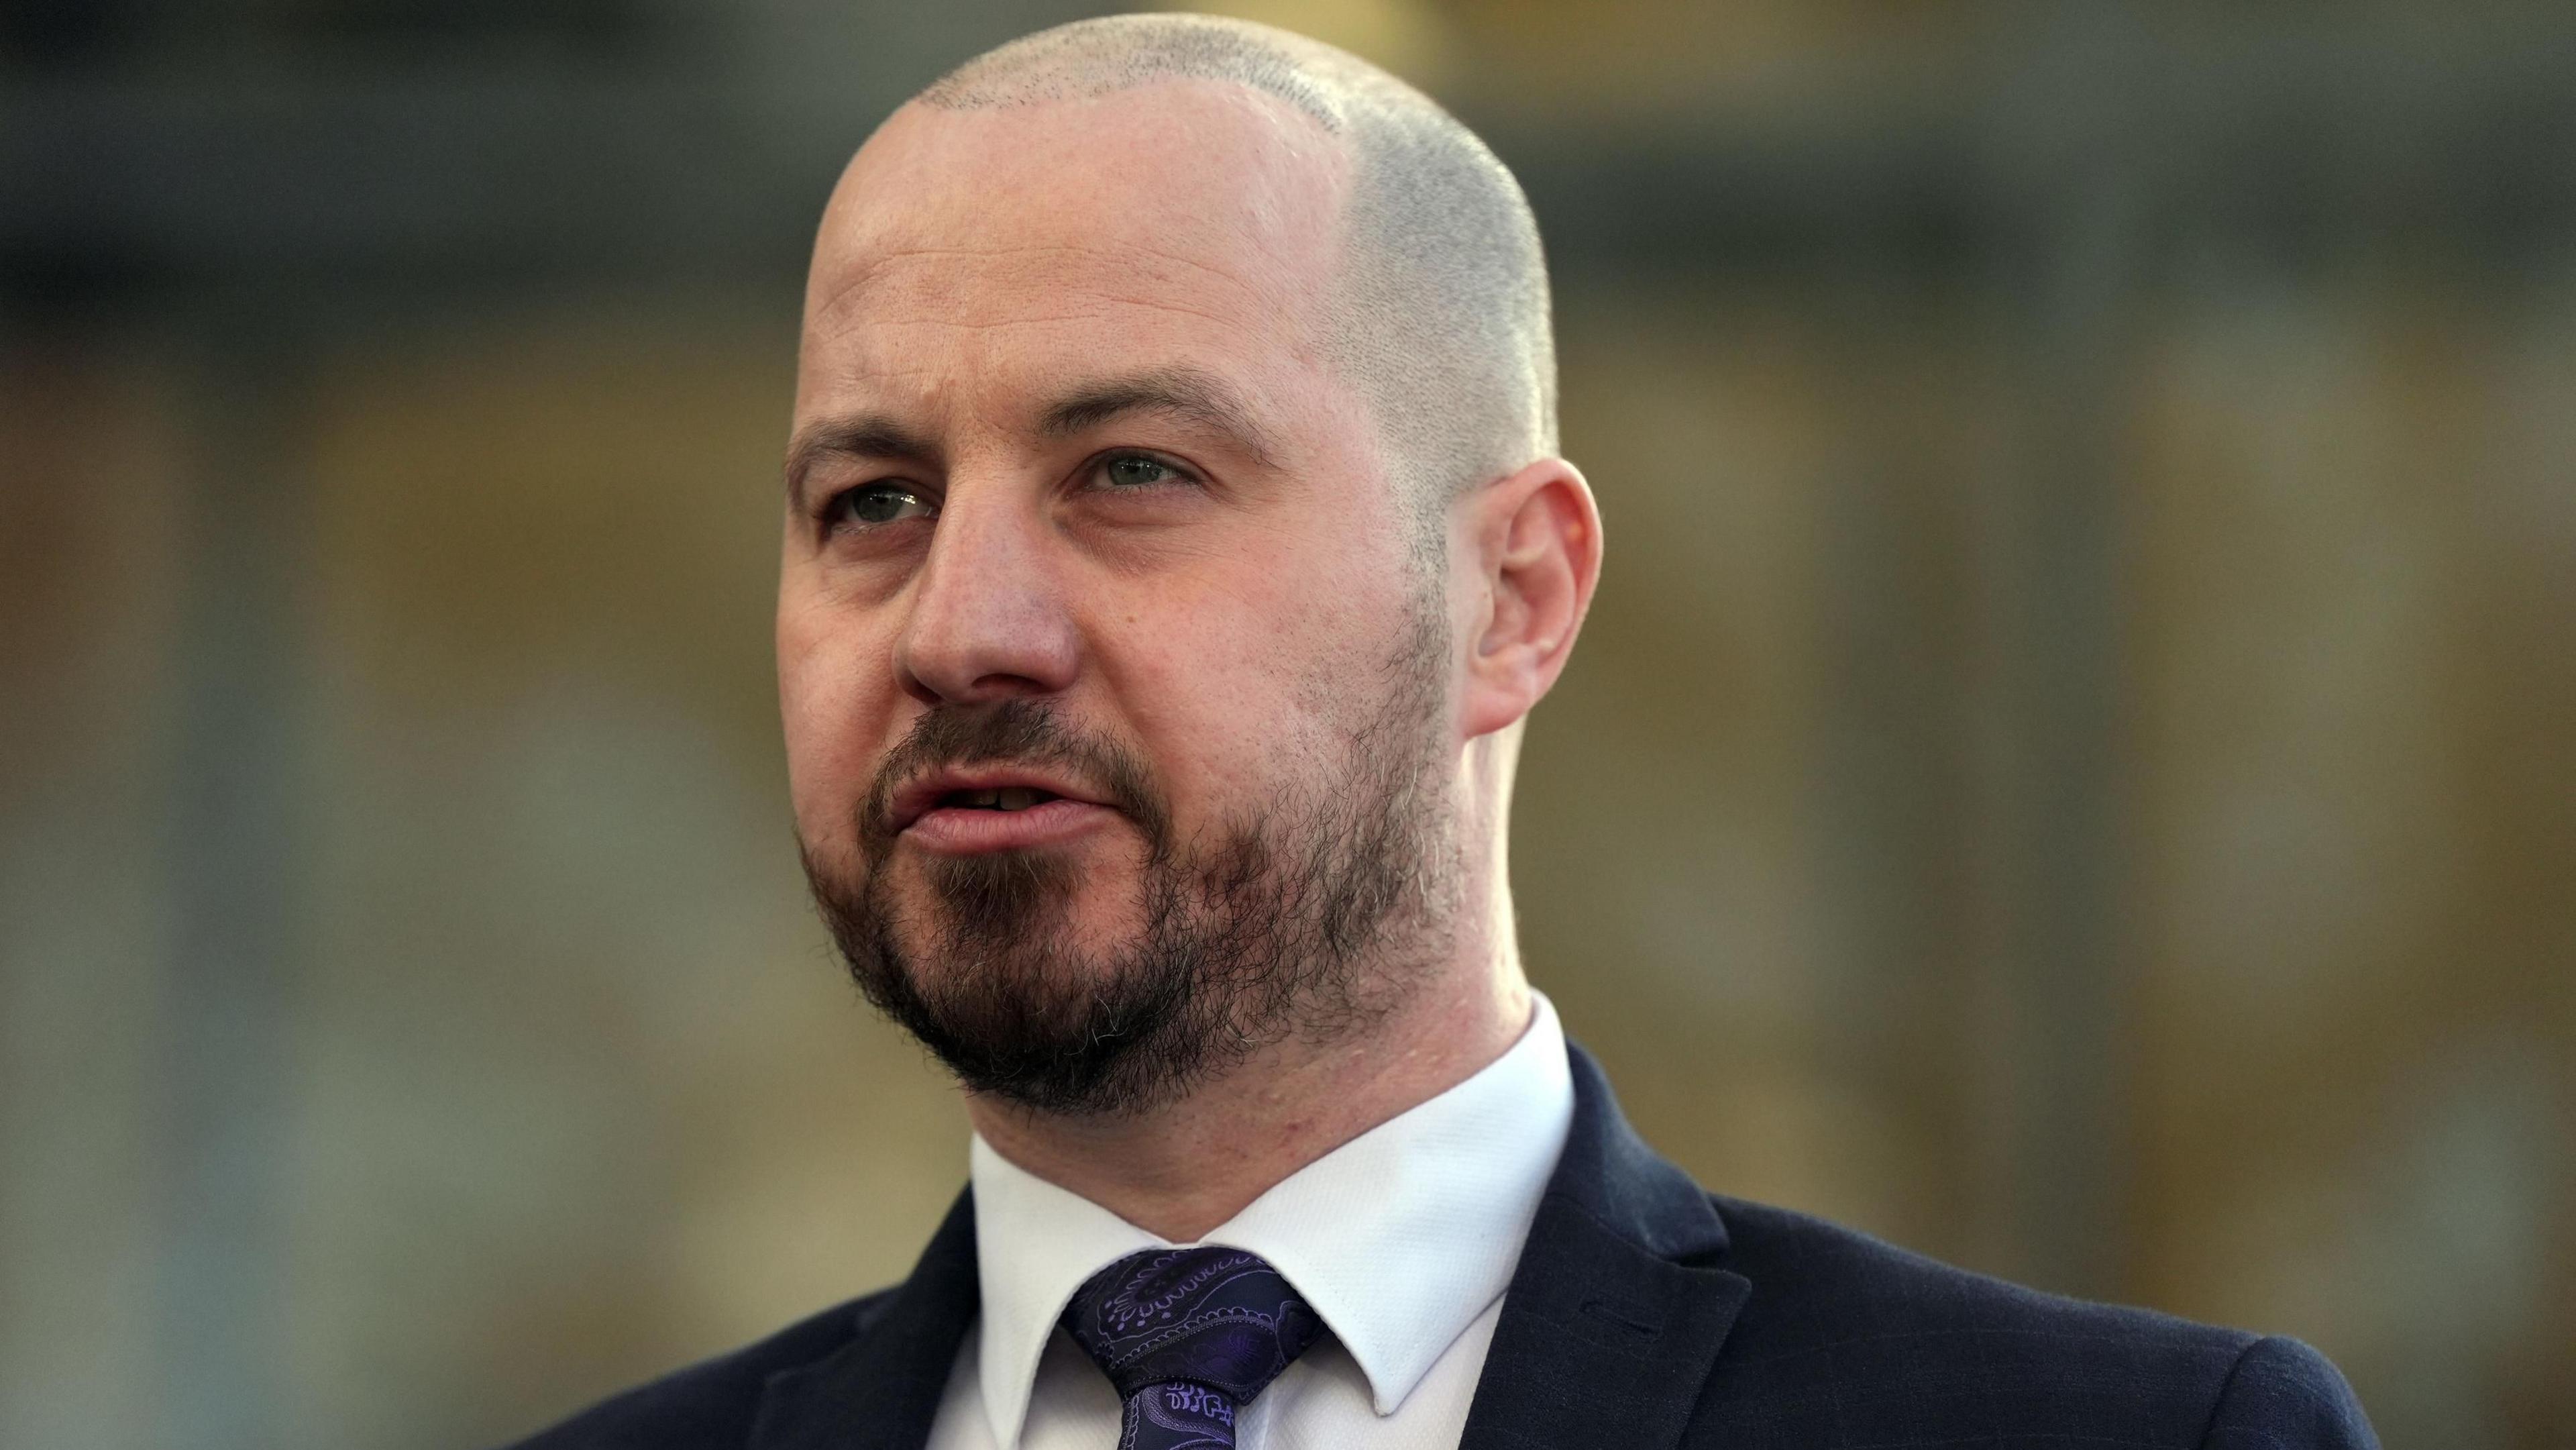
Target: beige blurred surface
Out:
[2069,769]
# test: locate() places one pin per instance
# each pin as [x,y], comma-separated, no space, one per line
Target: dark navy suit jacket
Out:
[1645,1314]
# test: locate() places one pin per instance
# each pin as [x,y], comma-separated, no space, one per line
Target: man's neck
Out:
[1180,1171]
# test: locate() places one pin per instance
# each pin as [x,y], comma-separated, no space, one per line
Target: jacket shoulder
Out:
[1834,1285]
[1892,1345]
[711,1403]
[2284,1393]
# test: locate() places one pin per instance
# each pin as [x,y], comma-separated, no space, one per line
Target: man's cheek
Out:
[828,778]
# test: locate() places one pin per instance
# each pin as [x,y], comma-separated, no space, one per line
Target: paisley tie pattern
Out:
[1187,1338]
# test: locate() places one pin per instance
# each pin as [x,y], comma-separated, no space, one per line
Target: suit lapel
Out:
[1612,1321]
[882,1389]
[1615,1313]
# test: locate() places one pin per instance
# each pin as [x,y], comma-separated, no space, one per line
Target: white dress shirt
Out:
[1402,1240]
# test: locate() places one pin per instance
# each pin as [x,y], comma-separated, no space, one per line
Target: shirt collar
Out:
[1398,1238]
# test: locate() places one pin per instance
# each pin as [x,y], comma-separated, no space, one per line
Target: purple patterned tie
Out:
[1188,1337]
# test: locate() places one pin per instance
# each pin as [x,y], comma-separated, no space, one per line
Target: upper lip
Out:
[915,800]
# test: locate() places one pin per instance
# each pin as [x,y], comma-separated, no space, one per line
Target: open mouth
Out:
[1002,798]
[993,809]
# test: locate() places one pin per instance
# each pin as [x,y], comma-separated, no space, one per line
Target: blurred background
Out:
[2070,770]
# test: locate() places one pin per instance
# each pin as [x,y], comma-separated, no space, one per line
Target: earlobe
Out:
[1538,552]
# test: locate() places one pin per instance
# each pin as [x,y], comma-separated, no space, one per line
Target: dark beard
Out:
[1257,937]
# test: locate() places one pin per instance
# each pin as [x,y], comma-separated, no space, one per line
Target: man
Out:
[1175,541]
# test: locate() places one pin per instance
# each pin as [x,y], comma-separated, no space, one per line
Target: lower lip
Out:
[961,831]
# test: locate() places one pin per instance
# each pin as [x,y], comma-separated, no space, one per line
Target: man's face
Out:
[1115,680]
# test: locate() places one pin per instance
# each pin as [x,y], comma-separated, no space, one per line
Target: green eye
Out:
[1135,470]
[880,503]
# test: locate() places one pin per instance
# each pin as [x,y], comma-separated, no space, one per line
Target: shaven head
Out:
[1439,313]
[1174,542]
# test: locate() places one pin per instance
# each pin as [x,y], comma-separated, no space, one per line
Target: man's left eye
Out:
[1135,470]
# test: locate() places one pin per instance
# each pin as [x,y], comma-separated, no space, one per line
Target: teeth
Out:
[999,798]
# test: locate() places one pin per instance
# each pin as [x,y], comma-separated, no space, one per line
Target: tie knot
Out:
[1187,1321]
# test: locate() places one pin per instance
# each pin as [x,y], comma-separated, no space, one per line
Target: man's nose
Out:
[988,617]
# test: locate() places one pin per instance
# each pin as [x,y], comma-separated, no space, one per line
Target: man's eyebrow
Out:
[1186,392]
[858,435]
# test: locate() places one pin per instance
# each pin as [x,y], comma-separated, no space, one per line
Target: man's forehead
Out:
[1031,284]
[1191,190]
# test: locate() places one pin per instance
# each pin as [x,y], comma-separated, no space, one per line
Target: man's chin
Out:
[1031,1017]
[988,899]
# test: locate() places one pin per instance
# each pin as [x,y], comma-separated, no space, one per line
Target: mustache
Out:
[1012,732]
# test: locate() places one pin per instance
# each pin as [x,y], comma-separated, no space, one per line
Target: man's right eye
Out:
[874,504]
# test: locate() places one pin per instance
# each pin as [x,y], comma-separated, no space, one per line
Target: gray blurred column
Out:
[234,861]
[2072,173]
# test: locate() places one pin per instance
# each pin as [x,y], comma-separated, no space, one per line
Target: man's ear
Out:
[1535,539]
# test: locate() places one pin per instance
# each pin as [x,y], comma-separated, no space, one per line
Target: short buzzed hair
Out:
[1441,316]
